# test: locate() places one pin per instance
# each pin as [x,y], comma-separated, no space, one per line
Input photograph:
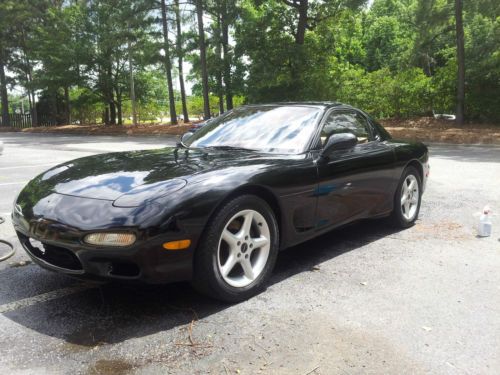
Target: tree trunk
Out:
[67,105]
[34,113]
[112,111]
[29,78]
[31,95]
[105,116]
[30,105]
[119,110]
[227,57]
[303,8]
[168,64]
[220,89]
[118,104]
[109,96]
[460,61]
[220,95]
[5,98]
[203,59]
[132,90]
[180,57]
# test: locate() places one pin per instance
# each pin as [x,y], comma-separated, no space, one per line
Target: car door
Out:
[357,182]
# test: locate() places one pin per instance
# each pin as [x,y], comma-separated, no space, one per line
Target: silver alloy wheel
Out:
[409,197]
[244,248]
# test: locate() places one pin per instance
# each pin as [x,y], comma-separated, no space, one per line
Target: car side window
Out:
[346,122]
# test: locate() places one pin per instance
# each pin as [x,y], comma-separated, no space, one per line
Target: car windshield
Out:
[277,129]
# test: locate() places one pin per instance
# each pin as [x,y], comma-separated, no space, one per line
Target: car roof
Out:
[317,104]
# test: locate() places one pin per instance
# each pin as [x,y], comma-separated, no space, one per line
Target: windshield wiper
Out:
[231,148]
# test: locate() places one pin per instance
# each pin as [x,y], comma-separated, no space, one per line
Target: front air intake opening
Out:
[61,257]
[124,269]
[54,255]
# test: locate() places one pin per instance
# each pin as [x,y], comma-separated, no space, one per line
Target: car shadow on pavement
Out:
[113,313]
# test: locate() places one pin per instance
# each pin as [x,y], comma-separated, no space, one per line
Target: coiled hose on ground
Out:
[8,244]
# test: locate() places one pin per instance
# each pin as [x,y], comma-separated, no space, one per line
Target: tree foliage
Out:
[85,60]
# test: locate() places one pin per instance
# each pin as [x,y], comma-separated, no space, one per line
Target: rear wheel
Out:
[238,250]
[407,198]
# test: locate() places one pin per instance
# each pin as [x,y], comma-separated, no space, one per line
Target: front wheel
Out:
[238,250]
[407,199]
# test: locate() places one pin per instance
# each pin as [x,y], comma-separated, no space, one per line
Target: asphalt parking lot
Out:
[362,300]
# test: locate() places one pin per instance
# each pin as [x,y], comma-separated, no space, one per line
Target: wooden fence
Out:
[24,121]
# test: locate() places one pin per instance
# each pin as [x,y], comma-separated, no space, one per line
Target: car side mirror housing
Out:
[185,137]
[341,141]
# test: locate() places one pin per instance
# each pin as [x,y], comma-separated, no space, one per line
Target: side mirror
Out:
[185,137]
[341,141]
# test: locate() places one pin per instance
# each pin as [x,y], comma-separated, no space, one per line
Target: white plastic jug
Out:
[485,224]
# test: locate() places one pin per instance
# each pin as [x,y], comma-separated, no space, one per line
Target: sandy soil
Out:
[428,129]
[425,129]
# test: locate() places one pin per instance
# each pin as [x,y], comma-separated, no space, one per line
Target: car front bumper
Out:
[53,238]
[147,262]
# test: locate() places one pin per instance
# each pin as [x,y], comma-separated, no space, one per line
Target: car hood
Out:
[110,176]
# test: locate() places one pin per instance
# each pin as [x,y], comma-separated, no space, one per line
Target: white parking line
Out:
[59,293]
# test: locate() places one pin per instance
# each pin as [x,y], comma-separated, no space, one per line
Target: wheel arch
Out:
[415,163]
[418,166]
[259,191]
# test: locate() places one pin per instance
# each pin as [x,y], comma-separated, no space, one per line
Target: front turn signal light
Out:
[177,245]
[110,239]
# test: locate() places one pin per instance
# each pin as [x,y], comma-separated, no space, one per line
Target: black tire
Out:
[397,217]
[207,278]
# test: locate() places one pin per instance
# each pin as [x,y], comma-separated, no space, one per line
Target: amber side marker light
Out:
[177,245]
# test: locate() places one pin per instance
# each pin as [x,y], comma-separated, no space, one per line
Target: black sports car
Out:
[217,208]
